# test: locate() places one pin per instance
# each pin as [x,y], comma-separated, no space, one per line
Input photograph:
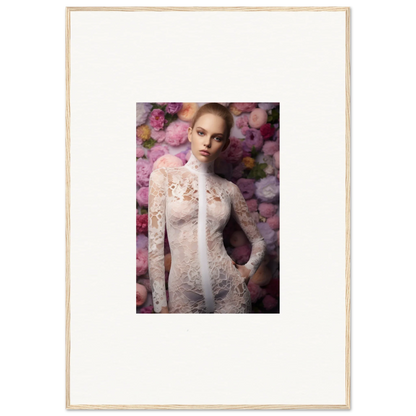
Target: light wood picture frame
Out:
[297,359]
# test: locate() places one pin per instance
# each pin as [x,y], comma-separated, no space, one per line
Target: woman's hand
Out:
[244,272]
[164,309]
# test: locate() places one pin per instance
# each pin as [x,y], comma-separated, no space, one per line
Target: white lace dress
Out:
[195,204]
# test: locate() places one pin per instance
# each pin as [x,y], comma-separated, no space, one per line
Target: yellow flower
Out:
[143,132]
[249,162]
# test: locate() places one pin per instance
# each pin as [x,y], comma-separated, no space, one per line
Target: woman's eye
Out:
[219,138]
[200,132]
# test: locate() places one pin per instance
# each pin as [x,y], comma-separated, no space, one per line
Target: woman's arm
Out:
[156,238]
[242,215]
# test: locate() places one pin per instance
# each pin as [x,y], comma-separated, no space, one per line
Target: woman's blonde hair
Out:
[218,110]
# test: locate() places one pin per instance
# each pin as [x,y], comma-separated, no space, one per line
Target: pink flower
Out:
[141,261]
[143,171]
[147,309]
[157,119]
[157,151]
[238,171]
[139,152]
[267,131]
[142,224]
[258,117]
[270,148]
[167,161]
[234,152]
[245,107]
[269,302]
[256,292]
[142,196]
[238,238]
[273,222]
[188,111]
[159,136]
[141,294]
[272,288]
[252,205]
[246,187]
[241,254]
[242,121]
[267,210]
[177,133]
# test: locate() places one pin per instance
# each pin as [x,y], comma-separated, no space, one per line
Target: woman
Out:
[195,205]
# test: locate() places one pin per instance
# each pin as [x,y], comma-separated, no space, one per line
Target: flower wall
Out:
[251,161]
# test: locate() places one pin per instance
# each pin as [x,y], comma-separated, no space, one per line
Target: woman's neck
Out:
[200,167]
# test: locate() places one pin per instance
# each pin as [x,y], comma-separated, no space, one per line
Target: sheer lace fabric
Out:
[195,205]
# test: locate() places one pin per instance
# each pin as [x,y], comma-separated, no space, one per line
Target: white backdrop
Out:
[297,59]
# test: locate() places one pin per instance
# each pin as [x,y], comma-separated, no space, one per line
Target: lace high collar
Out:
[200,167]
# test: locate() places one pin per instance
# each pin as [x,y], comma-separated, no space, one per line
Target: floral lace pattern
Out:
[195,205]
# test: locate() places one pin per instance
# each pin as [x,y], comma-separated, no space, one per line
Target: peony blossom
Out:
[157,151]
[159,136]
[252,205]
[268,234]
[142,196]
[143,170]
[142,111]
[257,118]
[267,189]
[143,132]
[167,161]
[141,241]
[246,187]
[187,111]
[241,254]
[253,138]
[173,108]
[177,133]
[267,210]
[157,119]
[270,148]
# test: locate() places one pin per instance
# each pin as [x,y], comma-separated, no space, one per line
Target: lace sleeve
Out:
[156,237]
[242,215]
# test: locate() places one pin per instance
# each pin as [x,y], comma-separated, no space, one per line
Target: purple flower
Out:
[157,151]
[173,108]
[142,111]
[141,241]
[246,187]
[267,189]
[267,232]
[267,106]
[181,156]
[253,138]
[143,171]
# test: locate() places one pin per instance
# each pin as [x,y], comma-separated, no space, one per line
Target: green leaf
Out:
[148,144]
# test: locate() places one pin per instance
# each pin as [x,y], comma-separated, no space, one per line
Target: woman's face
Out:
[207,137]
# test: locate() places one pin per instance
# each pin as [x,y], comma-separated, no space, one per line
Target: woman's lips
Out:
[204,152]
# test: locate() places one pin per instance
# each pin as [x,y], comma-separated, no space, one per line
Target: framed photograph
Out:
[233,200]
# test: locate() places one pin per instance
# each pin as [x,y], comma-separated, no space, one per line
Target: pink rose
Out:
[269,302]
[142,196]
[273,222]
[141,261]
[267,210]
[141,294]
[256,292]
[257,118]
[157,119]
[167,161]
[252,205]
[267,131]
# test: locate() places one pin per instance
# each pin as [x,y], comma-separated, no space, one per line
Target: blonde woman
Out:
[195,204]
